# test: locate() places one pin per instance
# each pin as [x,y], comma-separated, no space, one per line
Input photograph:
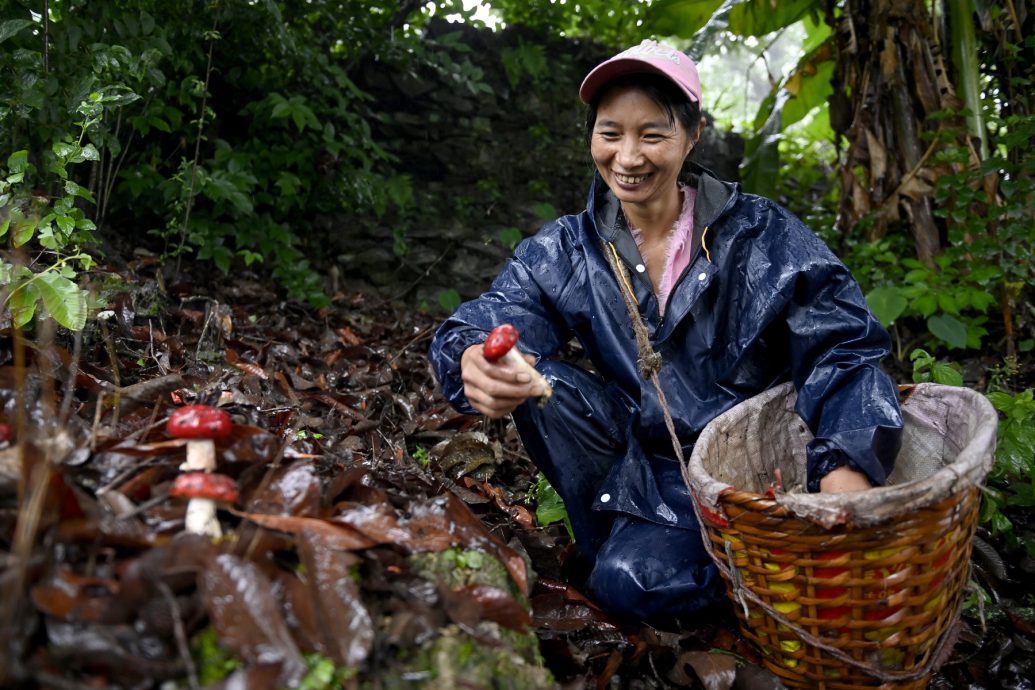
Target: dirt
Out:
[380,539]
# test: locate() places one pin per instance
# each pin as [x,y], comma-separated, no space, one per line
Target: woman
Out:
[731,291]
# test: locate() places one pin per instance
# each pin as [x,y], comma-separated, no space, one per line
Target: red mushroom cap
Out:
[5,433]
[499,342]
[217,487]
[199,421]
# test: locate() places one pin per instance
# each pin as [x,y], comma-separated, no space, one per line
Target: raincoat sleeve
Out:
[527,293]
[836,345]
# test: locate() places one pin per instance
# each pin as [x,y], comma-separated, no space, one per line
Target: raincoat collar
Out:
[714,197]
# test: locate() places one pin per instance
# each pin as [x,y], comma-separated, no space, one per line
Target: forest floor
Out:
[348,463]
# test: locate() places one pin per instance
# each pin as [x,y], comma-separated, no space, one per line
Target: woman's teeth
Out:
[628,179]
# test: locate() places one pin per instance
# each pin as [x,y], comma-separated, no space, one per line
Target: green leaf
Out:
[544,211]
[948,329]
[947,303]
[88,153]
[23,304]
[449,299]
[510,237]
[762,166]
[760,17]
[887,303]
[77,190]
[18,161]
[681,18]
[926,304]
[12,26]
[64,150]
[811,87]
[23,230]
[946,374]
[66,224]
[63,300]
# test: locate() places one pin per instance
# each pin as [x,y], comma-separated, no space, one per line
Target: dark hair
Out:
[659,89]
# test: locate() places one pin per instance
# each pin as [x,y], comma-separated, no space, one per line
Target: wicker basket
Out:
[845,591]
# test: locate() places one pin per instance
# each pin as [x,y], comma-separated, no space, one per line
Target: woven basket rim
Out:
[861,508]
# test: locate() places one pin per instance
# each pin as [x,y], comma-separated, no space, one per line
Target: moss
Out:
[458,568]
[496,658]
[492,656]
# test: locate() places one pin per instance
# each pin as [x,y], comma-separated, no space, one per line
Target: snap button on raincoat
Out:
[763,301]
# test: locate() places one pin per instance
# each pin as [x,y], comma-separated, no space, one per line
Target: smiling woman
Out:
[689,297]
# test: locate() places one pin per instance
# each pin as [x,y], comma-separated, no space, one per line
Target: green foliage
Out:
[1012,481]
[549,505]
[990,245]
[952,299]
[615,24]
[449,300]
[526,60]
[1015,449]
[510,237]
[41,209]
[250,125]
[421,456]
[213,661]
[324,674]
[928,369]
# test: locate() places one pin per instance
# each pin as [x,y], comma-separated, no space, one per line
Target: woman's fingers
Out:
[493,389]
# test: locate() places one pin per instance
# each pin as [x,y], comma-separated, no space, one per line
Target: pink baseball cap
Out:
[650,57]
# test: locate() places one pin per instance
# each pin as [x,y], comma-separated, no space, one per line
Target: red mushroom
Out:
[206,492]
[500,346]
[201,425]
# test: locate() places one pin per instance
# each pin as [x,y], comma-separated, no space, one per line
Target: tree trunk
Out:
[891,70]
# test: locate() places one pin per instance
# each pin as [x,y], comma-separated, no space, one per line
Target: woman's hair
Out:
[657,88]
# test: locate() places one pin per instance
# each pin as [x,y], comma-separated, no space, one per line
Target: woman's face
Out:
[636,148]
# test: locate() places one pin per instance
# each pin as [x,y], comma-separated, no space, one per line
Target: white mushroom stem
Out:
[514,359]
[201,512]
[201,455]
[201,518]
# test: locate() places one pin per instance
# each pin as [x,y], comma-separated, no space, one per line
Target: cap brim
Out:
[613,69]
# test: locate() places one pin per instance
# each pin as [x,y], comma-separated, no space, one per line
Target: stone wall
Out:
[488,165]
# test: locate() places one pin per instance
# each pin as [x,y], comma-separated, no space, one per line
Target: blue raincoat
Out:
[762,301]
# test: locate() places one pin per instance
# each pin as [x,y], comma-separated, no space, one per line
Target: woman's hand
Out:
[844,478]
[492,388]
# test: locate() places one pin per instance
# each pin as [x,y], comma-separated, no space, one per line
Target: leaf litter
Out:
[380,540]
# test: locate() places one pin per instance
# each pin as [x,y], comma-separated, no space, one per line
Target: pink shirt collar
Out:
[679,249]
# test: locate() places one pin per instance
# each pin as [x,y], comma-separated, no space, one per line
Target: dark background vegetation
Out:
[357,147]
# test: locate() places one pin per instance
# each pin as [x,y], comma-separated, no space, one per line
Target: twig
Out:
[197,146]
[141,507]
[180,634]
[912,173]
[423,275]
[73,372]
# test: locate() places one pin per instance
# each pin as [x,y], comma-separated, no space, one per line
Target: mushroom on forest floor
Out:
[201,425]
[206,491]
[501,346]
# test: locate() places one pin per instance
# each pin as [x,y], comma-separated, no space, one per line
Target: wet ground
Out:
[348,463]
